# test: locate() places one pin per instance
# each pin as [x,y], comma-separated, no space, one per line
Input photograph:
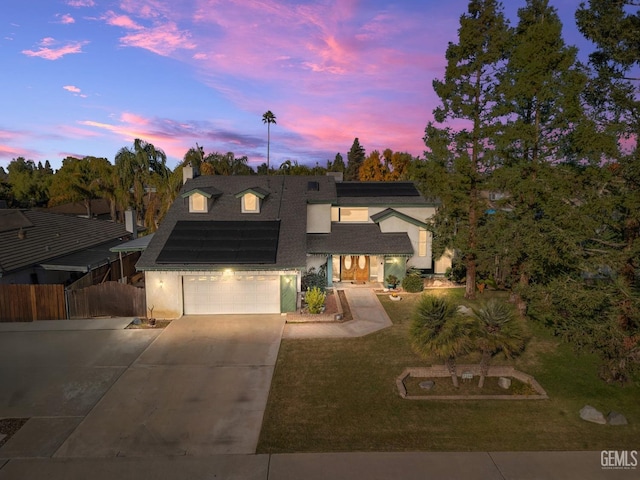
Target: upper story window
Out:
[201,199]
[422,242]
[197,203]
[351,215]
[250,203]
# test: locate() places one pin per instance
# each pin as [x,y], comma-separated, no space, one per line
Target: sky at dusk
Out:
[87,77]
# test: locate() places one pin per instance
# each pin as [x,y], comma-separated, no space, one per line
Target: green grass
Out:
[334,395]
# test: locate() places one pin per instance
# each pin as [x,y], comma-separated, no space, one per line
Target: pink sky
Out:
[88,77]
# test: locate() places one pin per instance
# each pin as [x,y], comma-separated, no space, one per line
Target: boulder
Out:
[590,414]
[615,418]
[427,384]
[504,382]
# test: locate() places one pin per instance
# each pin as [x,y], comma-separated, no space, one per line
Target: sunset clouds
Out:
[180,72]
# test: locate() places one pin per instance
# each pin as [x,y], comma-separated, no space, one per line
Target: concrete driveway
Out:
[200,388]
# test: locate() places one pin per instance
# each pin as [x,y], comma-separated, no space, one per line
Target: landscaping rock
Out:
[427,384]
[615,418]
[136,321]
[590,414]
[464,310]
[504,382]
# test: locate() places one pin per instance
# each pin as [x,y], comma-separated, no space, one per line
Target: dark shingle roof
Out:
[390,212]
[49,236]
[361,239]
[285,200]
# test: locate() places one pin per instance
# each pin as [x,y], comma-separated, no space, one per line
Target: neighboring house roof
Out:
[284,200]
[99,206]
[359,239]
[390,212]
[136,245]
[31,237]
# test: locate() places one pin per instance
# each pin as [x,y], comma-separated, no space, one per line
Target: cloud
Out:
[161,40]
[72,89]
[122,21]
[66,19]
[81,3]
[45,51]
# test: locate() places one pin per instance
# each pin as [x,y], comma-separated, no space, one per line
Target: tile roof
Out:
[49,236]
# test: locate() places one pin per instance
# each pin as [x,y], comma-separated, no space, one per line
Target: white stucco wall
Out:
[164,293]
[394,225]
[442,263]
[319,218]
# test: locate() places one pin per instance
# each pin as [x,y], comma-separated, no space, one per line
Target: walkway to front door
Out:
[354,268]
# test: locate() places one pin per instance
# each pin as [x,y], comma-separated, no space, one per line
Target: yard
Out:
[340,395]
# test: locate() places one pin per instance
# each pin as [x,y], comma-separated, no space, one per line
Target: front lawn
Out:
[332,395]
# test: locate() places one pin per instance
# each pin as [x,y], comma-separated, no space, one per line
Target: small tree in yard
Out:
[438,329]
[315,298]
[498,329]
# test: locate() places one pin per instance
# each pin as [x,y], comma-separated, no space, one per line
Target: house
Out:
[39,247]
[240,244]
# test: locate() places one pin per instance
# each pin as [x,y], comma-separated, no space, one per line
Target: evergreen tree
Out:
[459,159]
[540,98]
[355,158]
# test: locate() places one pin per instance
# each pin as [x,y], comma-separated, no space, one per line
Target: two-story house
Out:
[240,244]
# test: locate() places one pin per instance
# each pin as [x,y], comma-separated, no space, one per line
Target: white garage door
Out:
[206,294]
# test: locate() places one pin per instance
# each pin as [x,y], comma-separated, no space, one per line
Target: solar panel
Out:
[218,242]
[376,189]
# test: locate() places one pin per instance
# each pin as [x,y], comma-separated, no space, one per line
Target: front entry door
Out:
[354,268]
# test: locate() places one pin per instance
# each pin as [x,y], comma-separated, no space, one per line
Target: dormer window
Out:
[250,203]
[201,199]
[251,199]
[197,203]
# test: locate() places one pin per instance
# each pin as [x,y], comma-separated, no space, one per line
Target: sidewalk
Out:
[321,466]
[368,317]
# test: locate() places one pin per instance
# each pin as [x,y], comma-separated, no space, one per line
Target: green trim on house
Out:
[389,212]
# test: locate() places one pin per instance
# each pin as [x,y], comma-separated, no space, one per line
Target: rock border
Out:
[442,372]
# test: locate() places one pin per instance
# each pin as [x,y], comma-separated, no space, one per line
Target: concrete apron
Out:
[199,389]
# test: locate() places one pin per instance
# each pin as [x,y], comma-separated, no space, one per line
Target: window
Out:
[197,203]
[354,214]
[250,203]
[422,242]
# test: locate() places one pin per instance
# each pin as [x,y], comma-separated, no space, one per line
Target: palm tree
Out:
[437,329]
[268,117]
[497,330]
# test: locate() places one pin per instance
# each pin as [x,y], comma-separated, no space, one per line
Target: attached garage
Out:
[216,294]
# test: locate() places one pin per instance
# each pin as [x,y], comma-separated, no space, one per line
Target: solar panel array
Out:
[376,189]
[221,242]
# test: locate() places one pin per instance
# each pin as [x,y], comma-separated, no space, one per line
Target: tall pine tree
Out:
[460,158]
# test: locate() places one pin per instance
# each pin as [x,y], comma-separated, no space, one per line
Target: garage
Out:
[215,294]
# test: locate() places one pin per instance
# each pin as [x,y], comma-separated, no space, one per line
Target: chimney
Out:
[130,222]
[338,176]
[187,173]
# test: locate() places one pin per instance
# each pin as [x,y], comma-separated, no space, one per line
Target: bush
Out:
[413,283]
[313,279]
[457,273]
[315,298]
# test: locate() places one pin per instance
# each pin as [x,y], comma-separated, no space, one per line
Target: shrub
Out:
[413,283]
[457,273]
[392,280]
[313,279]
[315,298]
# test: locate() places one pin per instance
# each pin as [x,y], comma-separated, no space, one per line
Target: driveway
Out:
[200,388]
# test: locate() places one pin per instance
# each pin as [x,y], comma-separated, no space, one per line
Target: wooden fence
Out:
[26,303]
[107,299]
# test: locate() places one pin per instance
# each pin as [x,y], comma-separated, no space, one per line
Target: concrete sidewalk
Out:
[368,317]
[321,466]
